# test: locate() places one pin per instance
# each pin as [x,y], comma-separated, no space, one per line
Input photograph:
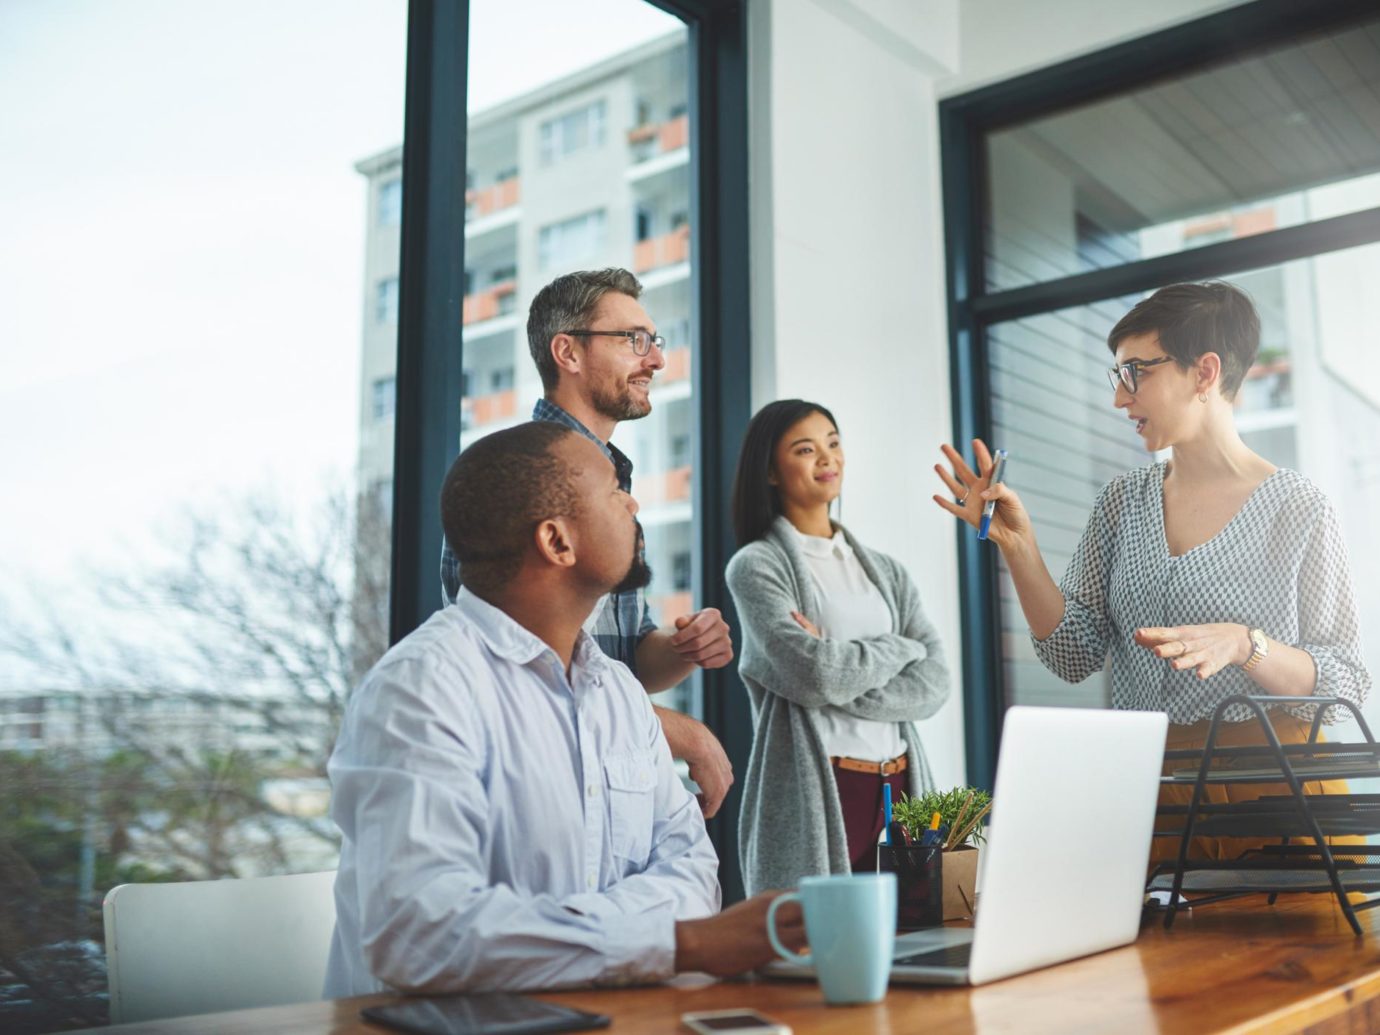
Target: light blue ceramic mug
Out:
[850,922]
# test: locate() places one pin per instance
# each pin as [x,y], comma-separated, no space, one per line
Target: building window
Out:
[681,574]
[572,132]
[384,398]
[386,301]
[680,451]
[501,379]
[390,203]
[567,243]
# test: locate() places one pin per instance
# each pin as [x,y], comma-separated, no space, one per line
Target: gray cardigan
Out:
[791,823]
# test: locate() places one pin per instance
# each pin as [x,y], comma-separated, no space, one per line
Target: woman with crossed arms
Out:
[1210,574]
[838,658]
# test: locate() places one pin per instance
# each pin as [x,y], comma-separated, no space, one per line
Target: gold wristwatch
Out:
[1260,645]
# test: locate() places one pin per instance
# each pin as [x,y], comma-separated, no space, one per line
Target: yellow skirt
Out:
[1288,728]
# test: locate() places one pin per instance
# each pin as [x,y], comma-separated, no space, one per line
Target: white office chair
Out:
[205,946]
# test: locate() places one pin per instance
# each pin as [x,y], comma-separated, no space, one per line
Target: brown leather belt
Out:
[855,765]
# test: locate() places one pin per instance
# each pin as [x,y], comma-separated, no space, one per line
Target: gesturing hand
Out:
[703,638]
[1207,648]
[972,489]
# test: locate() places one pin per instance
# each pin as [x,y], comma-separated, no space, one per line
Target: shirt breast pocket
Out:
[631,781]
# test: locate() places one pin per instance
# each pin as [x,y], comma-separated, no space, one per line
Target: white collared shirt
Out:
[851,608]
[504,827]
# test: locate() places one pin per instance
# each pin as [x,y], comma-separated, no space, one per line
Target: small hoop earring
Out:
[1202,397]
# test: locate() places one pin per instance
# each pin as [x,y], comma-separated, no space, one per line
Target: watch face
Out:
[1259,642]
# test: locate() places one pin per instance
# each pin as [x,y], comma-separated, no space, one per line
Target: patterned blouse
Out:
[1280,565]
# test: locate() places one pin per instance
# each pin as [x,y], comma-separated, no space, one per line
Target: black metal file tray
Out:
[1311,866]
[1337,815]
[1332,768]
[1271,881]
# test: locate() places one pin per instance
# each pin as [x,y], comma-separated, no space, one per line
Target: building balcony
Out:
[486,201]
[671,486]
[659,138]
[485,305]
[1268,386]
[480,410]
[677,366]
[670,606]
[1229,226]
[666,250]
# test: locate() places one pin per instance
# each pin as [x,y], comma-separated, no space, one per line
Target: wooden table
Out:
[1230,967]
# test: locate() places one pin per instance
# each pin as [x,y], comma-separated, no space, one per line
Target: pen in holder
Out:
[919,870]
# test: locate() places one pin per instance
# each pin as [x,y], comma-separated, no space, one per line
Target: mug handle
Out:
[781,950]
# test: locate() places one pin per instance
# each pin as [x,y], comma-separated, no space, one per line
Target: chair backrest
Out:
[205,946]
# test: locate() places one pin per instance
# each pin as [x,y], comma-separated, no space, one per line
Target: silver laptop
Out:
[1056,884]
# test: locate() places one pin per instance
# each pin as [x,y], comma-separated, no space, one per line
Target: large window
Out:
[1260,166]
[617,70]
[195,565]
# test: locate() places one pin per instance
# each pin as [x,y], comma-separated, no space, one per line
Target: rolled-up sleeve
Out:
[1328,626]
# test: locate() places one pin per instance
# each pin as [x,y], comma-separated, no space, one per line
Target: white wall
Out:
[848,273]
[847,239]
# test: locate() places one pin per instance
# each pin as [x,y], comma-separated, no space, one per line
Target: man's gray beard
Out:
[620,406]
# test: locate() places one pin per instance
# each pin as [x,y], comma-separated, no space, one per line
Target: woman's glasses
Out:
[1127,375]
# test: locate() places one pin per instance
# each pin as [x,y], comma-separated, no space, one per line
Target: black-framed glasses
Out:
[641,341]
[1127,375]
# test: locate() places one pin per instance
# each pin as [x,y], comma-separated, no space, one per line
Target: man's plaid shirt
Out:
[621,619]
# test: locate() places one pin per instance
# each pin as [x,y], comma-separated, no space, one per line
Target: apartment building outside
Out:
[590,170]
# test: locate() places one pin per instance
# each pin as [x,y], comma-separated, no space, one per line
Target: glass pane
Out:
[1307,404]
[1279,139]
[579,158]
[195,566]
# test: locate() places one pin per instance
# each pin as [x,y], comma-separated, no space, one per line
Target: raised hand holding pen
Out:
[1041,599]
[973,490]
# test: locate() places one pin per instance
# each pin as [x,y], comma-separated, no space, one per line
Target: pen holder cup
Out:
[919,873]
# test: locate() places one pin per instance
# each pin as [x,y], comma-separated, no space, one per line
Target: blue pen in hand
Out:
[998,466]
[886,810]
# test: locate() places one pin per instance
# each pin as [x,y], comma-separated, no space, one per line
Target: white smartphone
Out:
[733,1022]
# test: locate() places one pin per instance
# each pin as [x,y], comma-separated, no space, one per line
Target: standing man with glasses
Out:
[597,351]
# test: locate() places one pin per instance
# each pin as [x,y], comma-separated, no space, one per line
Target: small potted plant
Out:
[960,812]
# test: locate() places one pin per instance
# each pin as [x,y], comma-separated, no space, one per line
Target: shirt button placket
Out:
[594,806]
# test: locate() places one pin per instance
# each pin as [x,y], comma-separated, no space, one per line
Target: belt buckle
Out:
[889,767]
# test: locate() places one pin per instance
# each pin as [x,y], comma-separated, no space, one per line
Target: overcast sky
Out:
[182,271]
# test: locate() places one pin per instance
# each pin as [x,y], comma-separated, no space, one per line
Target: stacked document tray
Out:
[1299,822]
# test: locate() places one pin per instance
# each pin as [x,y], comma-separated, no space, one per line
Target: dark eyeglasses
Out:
[641,341]
[1127,375]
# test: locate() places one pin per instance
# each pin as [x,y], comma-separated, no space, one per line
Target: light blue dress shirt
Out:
[506,827]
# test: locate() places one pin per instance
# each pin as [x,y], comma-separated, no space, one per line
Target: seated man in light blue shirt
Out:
[510,812]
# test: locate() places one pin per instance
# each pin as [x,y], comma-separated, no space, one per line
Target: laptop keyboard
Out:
[948,956]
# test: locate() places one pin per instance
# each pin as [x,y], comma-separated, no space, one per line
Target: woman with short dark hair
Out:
[1210,574]
[837,656]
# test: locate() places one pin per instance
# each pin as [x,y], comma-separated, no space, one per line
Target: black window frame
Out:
[965,121]
[431,292]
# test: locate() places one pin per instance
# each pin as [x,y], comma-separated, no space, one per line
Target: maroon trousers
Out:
[860,795]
